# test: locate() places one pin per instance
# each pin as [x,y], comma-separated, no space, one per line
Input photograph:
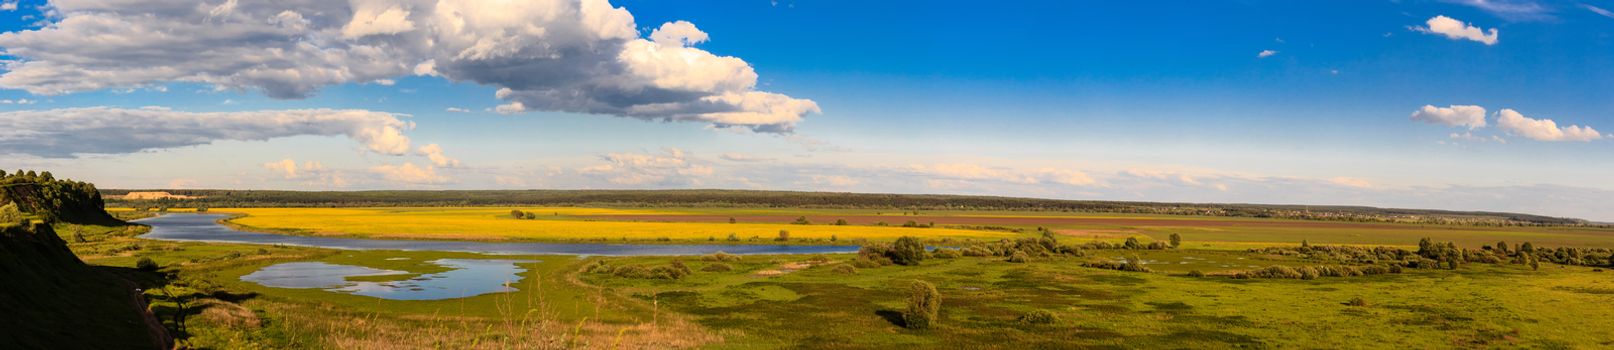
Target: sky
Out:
[1464,104]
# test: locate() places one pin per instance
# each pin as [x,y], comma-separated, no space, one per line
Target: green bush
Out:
[907,251]
[924,305]
[1196,273]
[1039,317]
[946,253]
[146,264]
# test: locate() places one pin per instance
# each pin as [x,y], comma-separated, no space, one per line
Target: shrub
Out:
[845,269]
[10,215]
[1196,273]
[1176,240]
[1019,257]
[733,237]
[717,267]
[721,257]
[1039,317]
[907,251]
[840,222]
[784,235]
[529,216]
[946,253]
[924,305]
[516,214]
[1132,243]
[146,264]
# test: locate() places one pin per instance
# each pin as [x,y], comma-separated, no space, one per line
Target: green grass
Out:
[1478,306]
[1481,306]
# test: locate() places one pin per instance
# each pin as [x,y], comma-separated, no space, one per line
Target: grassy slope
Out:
[52,300]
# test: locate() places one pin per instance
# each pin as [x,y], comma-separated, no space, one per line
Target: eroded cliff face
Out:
[49,299]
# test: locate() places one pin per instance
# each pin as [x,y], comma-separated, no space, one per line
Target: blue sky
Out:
[1256,101]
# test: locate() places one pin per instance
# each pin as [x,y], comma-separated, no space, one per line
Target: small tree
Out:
[924,305]
[784,235]
[517,214]
[529,216]
[907,251]
[1176,241]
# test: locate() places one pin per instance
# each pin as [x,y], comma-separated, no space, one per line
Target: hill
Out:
[50,298]
[749,198]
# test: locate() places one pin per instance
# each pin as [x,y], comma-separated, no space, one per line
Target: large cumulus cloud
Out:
[583,56]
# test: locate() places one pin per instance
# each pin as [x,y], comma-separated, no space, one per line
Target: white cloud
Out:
[312,172]
[741,157]
[672,167]
[9,5]
[409,173]
[435,154]
[1472,117]
[975,172]
[20,101]
[1542,129]
[581,56]
[1457,30]
[1265,54]
[456,110]
[62,133]
[678,33]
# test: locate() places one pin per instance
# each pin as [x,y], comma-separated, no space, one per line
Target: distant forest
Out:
[788,199]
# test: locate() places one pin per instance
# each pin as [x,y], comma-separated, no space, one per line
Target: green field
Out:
[772,302]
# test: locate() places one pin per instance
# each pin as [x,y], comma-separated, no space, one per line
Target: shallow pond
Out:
[205,228]
[466,277]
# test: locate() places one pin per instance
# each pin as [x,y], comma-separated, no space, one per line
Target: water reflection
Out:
[466,277]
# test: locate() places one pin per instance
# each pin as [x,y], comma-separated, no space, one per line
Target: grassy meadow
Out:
[794,301]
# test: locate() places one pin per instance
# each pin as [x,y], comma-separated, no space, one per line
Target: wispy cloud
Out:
[64,133]
[1511,10]
[1598,10]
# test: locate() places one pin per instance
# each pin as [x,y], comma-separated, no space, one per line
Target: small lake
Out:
[466,278]
[205,228]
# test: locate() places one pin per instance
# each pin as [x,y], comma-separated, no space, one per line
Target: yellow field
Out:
[552,224]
